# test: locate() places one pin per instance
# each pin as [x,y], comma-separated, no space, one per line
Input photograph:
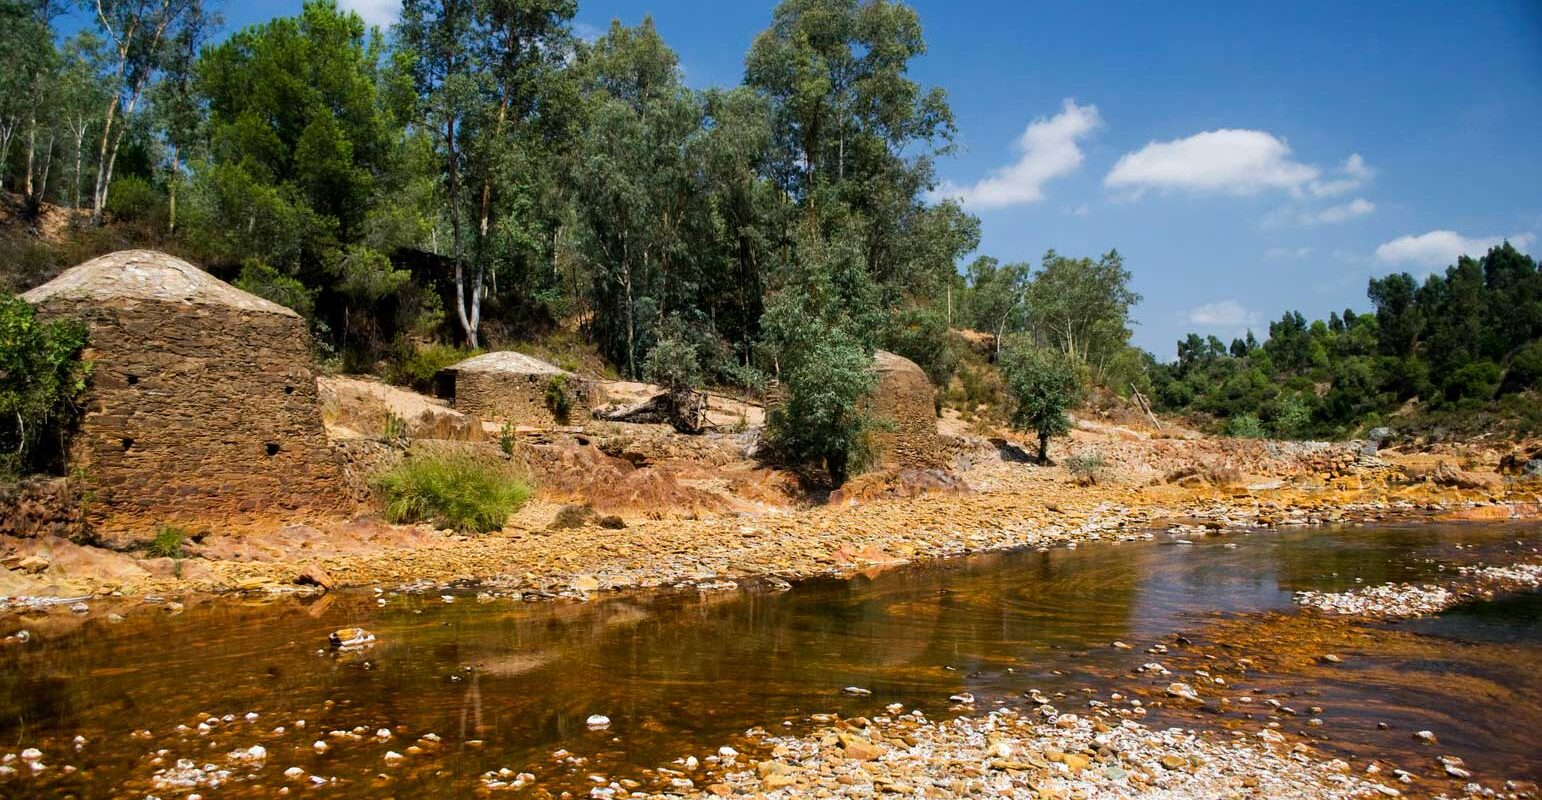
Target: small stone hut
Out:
[201,403]
[906,399]
[505,386]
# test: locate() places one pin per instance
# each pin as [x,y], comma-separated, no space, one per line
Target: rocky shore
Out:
[996,506]
[1405,600]
[1044,755]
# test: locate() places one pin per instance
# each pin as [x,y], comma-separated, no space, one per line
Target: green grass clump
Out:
[456,492]
[168,542]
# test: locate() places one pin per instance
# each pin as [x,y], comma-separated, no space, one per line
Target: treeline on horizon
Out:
[1463,341]
[479,176]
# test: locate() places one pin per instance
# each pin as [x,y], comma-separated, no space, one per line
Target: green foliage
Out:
[507,437]
[1044,384]
[1461,339]
[456,492]
[672,364]
[133,199]
[1476,381]
[395,428]
[921,335]
[268,283]
[41,374]
[1245,426]
[168,542]
[416,366]
[559,397]
[820,326]
[1082,307]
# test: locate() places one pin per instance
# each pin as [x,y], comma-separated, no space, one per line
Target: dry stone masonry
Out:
[202,399]
[904,397]
[512,387]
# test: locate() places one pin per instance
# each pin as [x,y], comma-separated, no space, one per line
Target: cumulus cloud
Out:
[1226,161]
[1350,176]
[1047,150]
[1441,248]
[374,12]
[1224,314]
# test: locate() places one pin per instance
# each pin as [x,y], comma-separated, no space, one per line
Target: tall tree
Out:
[478,67]
[1082,307]
[137,31]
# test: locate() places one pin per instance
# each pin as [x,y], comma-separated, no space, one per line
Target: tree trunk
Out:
[27,186]
[171,192]
[1043,448]
[80,138]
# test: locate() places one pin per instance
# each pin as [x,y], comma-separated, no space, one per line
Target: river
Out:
[504,683]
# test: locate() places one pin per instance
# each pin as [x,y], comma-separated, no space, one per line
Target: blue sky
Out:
[1245,157]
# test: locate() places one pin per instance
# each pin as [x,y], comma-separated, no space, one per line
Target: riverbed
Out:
[462,683]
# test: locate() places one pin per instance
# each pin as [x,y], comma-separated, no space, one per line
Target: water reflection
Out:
[506,683]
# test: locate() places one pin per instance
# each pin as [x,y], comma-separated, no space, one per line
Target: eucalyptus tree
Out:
[137,33]
[637,188]
[479,68]
[27,51]
[1082,307]
[81,93]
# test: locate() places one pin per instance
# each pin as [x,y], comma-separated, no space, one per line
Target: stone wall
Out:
[39,506]
[198,413]
[519,398]
[906,399]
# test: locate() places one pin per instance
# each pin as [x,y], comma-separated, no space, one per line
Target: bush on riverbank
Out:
[459,492]
[41,373]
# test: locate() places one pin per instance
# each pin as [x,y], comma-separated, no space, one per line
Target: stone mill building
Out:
[904,397]
[506,386]
[201,404]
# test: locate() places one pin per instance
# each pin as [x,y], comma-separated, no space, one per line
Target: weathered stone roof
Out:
[148,275]
[507,361]
[885,361]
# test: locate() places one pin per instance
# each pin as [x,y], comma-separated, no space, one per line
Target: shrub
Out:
[132,198]
[821,421]
[167,542]
[458,492]
[1525,370]
[1245,426]
[672,364]
[415,367]
[1475,381]
[506,438]
[559,398]
[1086,468]
[1044,384]
[40,375]
[268,283]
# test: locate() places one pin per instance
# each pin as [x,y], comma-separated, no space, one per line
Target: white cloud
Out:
[374,12]
[1442,248]
[1351,176]
[1225,314]
[1226,161]
[1358,207]
[1048,150]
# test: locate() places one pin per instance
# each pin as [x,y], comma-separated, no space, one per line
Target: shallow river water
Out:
[506,683]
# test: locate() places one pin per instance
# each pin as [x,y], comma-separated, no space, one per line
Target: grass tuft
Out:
[459,492]
[168,542]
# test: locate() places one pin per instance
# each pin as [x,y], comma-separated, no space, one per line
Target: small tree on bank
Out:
[1044,383]
[40,375]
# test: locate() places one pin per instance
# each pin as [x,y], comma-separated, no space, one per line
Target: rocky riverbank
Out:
[1044,755]
[995,506]
[1405,600]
